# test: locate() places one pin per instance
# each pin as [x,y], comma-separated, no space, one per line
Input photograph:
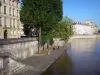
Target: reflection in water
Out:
[63,66]
[83,45]
[82,58]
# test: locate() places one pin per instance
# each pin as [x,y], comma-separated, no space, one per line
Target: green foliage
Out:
[44,39]
[47,39]
[41,13]
[64,29]
[27,29]
[51,41]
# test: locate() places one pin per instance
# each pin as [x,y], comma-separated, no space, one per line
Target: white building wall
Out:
[85,29]
[82,29]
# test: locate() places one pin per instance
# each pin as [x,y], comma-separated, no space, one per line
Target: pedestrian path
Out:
[36,65]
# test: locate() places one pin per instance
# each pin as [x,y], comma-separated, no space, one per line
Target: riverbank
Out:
[36,65]
[85,36]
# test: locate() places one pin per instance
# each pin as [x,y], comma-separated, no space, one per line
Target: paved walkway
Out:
[35,65]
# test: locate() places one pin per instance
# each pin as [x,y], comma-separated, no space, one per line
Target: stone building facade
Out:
[10,25]
[87,28]
[93,26]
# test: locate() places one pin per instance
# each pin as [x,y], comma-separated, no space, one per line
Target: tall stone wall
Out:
[18,49]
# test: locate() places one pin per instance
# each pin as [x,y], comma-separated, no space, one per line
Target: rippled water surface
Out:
[82,58]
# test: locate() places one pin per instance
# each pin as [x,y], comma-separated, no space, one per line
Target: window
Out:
[10,23]
[13,3]
[13,11]
[17,4]
[5,20]
[14,22]
[17,13]
[0,8]
[18,23]
[4,1]
[4,9]
[10,10]
[0,21]
[10,2]
[11,32]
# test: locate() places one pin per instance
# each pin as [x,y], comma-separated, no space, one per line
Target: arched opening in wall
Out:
[5,34]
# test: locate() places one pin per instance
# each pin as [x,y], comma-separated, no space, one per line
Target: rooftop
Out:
[88,23]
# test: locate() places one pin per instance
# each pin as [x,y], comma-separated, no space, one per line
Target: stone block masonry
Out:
[36,65]
[18,49]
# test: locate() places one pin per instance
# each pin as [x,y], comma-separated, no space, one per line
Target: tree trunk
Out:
[43,46]
[39,39]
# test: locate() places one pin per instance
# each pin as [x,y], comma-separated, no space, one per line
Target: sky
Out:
[82,10]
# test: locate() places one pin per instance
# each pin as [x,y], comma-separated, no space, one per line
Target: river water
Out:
[82,58]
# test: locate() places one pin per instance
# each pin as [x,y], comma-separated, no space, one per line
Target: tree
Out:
[64,29]
[42,14]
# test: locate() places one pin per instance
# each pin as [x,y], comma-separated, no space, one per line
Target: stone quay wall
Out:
[18,50]
[85,36]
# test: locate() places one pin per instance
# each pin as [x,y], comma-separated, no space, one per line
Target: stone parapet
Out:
[16,50]
[15,40]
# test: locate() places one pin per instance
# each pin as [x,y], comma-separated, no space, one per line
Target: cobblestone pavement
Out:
[35,65]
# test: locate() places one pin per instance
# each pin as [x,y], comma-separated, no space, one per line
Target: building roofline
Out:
[80,23]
